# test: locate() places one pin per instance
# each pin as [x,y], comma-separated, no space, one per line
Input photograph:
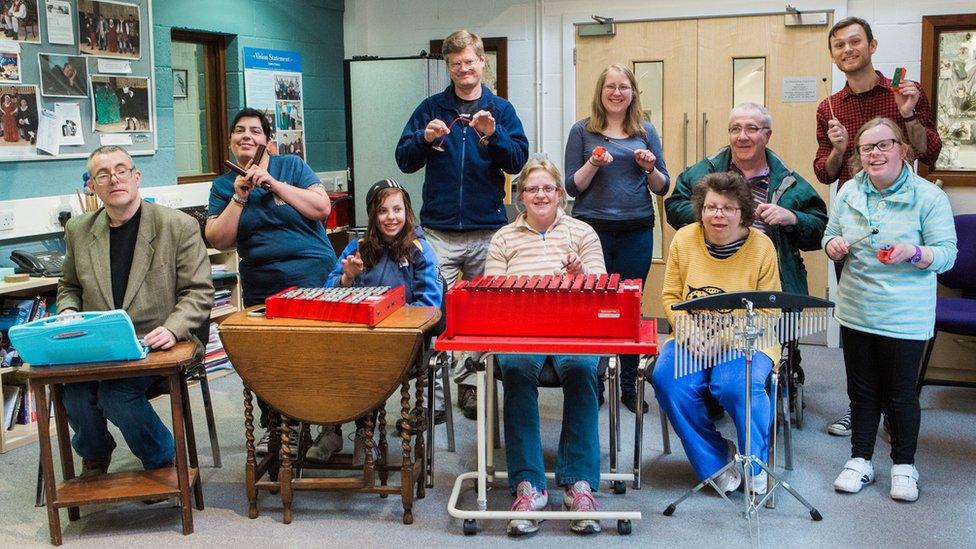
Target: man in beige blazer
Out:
[150,261]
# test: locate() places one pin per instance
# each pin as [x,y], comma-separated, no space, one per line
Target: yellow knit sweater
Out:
[691,272]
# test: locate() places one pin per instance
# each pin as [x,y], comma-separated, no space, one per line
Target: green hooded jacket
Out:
[787,189]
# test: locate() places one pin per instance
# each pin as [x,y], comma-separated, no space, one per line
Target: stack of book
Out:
[18,406]
[216,357]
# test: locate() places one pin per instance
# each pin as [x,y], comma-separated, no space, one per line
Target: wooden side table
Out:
[123,486]
[331,373]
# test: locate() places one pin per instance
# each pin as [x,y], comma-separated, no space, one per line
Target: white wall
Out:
[396,28]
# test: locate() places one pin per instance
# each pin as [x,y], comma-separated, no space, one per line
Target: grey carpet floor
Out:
[944,516]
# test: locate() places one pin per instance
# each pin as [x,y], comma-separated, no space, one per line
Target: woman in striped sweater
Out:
[894,231]
[720,253]
[544,240]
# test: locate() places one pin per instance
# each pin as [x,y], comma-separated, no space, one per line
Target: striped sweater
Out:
[518,249]
[891,300]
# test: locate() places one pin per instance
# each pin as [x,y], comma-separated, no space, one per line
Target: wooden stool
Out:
[123,486]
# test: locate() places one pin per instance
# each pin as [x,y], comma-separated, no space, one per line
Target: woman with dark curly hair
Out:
[720,253]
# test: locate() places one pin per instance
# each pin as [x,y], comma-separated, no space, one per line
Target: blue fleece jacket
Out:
[463,184]
[420,277]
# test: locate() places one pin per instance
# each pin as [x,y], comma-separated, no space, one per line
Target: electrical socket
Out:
[6,220]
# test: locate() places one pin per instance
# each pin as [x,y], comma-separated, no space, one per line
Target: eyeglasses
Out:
[546,189]
[724,210]
[466,63]
[750,129]
[884,145]
[622,89]
[122,174]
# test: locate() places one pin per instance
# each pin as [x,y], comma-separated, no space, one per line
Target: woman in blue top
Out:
[273,215]
[613,164]
[895,232]
[392,252]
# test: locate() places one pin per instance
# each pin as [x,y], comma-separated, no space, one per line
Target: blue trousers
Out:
[628,253]
[91,404]
[578,457]
[683,401]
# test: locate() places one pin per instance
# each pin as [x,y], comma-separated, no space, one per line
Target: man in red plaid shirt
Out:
[868,94]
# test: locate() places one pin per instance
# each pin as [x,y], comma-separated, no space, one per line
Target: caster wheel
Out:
[619,487]
[624,527]
[470,527]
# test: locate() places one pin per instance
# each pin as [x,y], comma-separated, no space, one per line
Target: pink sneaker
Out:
[527,498]
[579,497]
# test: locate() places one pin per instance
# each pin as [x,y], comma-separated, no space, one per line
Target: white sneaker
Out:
[904,482]
[359,449]
[527,498]
[857,473]
[261,448]
[729,480]
[759,484]
[325,445]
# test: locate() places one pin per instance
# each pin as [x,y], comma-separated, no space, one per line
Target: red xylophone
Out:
[583,306]
[365,305]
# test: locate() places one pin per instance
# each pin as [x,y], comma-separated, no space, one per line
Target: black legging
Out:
[882,373]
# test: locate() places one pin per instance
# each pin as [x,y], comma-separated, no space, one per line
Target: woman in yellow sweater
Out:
[720,253]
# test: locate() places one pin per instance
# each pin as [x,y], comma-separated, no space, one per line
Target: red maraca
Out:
[599,151]
[884,254]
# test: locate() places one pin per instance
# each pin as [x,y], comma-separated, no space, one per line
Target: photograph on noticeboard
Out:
[108,29]
[18,21]
[120,104]
[9,67]
[63,75]
[18,119]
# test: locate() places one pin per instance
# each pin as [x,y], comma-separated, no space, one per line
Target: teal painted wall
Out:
[310,27]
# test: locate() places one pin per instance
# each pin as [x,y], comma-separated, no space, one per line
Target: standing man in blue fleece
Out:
[466,137]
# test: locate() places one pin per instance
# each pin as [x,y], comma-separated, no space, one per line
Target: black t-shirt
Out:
[121,247]
[466,107]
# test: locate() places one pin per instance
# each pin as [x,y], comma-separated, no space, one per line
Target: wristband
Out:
[592,163]
[917,257]
[239,200]
[648,172]
[914,116]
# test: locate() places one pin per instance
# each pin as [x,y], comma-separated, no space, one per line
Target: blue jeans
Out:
[579,441]
[628,253]
[123,402]
[683,402]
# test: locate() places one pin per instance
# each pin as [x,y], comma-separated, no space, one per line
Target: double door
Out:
[691,72]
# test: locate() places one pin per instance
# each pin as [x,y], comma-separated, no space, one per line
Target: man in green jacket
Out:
[788,209]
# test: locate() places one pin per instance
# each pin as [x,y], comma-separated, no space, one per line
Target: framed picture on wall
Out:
[108,29]
[181,85]
[949,81]
[495,75]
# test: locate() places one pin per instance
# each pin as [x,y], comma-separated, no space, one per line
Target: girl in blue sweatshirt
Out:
[392,252]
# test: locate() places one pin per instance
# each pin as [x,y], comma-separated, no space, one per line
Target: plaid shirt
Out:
[853,110]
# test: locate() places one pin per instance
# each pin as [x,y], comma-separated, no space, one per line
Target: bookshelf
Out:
[22,435]
[226,277]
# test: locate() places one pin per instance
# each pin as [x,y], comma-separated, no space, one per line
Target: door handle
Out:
[684,140]
[704,134]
